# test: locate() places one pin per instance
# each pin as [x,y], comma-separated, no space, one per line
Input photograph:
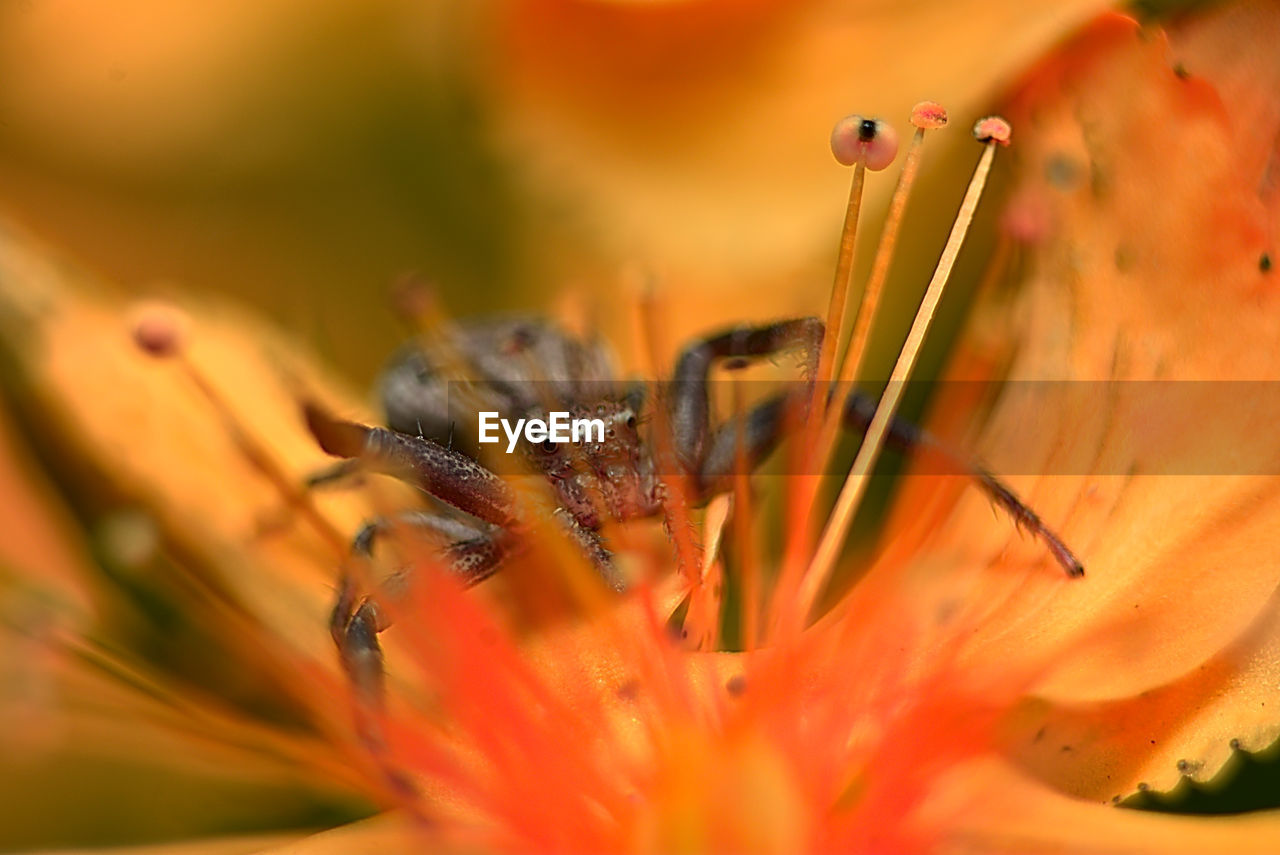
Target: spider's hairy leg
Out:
[354,624]
[689,405]
[757,432]
[746,440]
[355,621]
[472,553]
[593,548]
[446,474]
[904,435]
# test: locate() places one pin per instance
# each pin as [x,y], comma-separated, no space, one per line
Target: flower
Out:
[961,696]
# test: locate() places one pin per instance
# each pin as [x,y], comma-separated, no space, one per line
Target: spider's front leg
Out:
[710,458]
[473,553]
[450,476]
[690,408]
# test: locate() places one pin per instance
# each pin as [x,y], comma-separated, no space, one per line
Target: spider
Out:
[525,368]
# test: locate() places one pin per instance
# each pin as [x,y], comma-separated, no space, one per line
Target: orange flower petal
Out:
[1186,728]
[134,431]
[1127,287]
[221,846]
[989,808]
[1153,205]
[379,836]
[128,431]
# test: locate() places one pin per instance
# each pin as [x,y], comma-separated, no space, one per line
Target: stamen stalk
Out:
[748,568]
[840,285]
[925,116]
[864,144]
[833,536]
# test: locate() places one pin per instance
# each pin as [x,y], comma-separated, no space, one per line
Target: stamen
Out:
[863,144]
[748,567]
[418,304]
[821,443]
[702,619]
[159,329]
[990,132]
[924,116]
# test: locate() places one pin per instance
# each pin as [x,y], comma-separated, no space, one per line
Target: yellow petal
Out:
[132,431]
[991,809]
[383,835]
[715,115]
[1186,728]
[45,553]
[221,846]
[1155,206]
[251,579]
[1127,287]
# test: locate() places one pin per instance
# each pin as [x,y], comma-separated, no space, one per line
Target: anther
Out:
[929,116]
[864,144]
[992,129]
[158,329]
[870,142]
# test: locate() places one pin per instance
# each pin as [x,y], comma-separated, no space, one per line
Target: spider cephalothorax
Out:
[612,474]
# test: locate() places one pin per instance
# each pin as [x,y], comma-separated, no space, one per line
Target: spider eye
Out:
[631,421]
[547,446]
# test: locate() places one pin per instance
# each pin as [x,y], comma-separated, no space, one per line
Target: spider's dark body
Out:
[433,391]
[524,369]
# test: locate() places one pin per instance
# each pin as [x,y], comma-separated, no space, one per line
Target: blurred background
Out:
[304,156]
